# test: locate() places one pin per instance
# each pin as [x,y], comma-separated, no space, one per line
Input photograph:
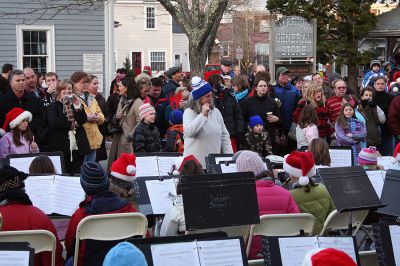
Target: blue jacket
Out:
[289,96]
[370,76]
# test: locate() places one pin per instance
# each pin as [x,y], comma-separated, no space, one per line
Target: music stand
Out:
[390,193]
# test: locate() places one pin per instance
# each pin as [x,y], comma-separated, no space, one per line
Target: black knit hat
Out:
[93,178]
[11,178]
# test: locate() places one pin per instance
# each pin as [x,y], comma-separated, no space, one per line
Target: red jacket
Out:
[394,116]
[272,199]
[18,217]
[91,206]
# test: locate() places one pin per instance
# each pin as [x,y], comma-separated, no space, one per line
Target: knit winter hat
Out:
[375,62]
[93,178]
[396,154]
[368,156]
[300,164]
[328,257]
[249,161]
[145,109]
[125,254]
[176,117]
[199,87]
[14,117]
[255,120]
[124,167]
[11,178]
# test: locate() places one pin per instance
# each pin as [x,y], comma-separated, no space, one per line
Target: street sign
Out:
[239,53]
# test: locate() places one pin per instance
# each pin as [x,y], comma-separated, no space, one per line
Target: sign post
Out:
[239,55]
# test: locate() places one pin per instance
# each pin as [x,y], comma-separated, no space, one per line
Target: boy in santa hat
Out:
[310,197]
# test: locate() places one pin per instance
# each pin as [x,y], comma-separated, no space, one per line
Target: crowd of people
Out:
[227,113]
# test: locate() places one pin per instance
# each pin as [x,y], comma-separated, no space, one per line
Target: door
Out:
[137,62]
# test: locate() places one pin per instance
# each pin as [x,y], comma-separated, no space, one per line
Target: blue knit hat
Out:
[200,87]
[125,254]
[255,120]
[175,117]
[93,178]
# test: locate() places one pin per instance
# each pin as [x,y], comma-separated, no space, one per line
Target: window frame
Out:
[50,38]
[145,18]
[180,59]
[165,59]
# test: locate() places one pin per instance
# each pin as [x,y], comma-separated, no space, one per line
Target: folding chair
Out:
[282,225]
[124,225]
[368,258]
[40,240]
[340,221]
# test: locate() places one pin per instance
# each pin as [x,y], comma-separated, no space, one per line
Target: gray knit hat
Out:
[93,178]
[249,161]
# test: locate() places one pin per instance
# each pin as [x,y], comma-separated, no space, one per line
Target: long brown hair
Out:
[42,165]
[308,116]
[16,133]
[342,120]
[320,150]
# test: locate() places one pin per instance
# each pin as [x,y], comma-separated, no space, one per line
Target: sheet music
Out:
[175,254]
[23,163]
[40,190]
[222,159]
[67,194]
[344,244]
[294,249]
[340,158]
[146,166]
[57,164]
[158,193]
[165,164]
[386,162]
[395,237]
[231,168]
[377,179]
[14,258]
[220,252]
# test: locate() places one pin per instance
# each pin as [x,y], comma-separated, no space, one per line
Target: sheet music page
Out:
[165,164]
[22,164]
[14,257]
[220,252]
[344,244]
[340,158]
[158,193]
[57,164]
[386,162]
[146,166]
[67,194]
[294,249]
[175,254]
[377,179]
[395,237]
[231,168]
[222,159]
[40,190]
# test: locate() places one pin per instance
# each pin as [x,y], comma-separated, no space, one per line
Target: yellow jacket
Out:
[91,128]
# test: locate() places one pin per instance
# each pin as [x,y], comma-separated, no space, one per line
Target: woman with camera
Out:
[65,118]
[125,120]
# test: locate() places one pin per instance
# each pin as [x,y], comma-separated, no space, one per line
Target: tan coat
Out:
[92,130]
[122,143]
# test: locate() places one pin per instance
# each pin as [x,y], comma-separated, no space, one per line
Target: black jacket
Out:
[28,103]
[230,110]
[160,104]
[146,138]
[170,87]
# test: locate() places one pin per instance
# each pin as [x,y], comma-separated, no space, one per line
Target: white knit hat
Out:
[145,109]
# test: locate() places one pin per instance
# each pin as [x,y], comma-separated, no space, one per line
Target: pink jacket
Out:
[272,199]
[7,146]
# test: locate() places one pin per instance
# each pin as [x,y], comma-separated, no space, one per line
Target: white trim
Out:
[297,172]
[131,59]
[51,44]
[145,17]
[180,59]
[158,51]
[24,115]
[123,177]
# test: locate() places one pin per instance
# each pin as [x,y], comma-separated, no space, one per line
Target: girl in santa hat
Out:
[310,197]
[19,139]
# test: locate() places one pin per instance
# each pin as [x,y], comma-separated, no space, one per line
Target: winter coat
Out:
[146,138]
[369,77]
[305,135]
[394,116]
[259,143]
[160,106]
[356,128]
[383,100]
[174,220]
[7,146]
[316,202]
[369,117]
[170,87]
[101,153]
[173,136]
[28,102]
[17,217]
[112,105]
[289,95]
[334,105]
[102,203]
[272,199]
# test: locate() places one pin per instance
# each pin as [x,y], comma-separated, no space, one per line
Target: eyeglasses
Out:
[341,88]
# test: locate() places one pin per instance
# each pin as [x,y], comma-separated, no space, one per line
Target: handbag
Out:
[292,132]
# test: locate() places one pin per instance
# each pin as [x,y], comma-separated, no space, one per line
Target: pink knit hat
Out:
[368,156]
[145,109]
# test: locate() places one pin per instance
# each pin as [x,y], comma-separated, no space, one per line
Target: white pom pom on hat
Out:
[124,167]
[300,164]
[130,169]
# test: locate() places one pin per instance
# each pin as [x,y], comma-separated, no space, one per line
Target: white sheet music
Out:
[222,159]
[386,162]
[175,254]
[165,164]
[158,193]
[231,168]
[67,194]
[40,190]
[57,164]
[146,166]
[220,252]
[23,163]
[377,179]
[344,244]
[294,249]
[340,158]
[14,257]
[395,237]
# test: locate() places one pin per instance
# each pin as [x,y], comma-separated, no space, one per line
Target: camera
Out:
[68,99]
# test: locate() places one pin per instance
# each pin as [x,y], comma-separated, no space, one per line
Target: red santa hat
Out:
[328,257]
[300,164]
[13,118]
[396,154]
[124,167]
[179,163]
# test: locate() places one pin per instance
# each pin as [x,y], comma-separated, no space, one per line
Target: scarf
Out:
[15,195]
[241,95]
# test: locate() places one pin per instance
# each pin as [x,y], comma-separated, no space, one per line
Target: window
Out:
[264,26]
[177,60]
[35,47]
[225,49]
[157,61]
[262,53]
[150,17]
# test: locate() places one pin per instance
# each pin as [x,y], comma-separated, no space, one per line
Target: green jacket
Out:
[316,202]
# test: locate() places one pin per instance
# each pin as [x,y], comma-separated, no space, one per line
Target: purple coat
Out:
[7,146]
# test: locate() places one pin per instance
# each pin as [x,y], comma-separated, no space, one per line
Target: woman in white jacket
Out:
[204,130]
